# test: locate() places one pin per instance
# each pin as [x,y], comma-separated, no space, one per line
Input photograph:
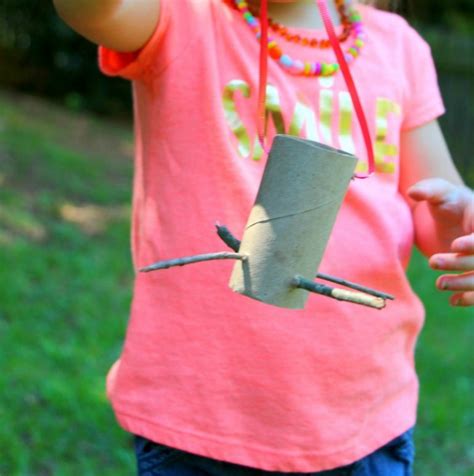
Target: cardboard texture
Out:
[302,189]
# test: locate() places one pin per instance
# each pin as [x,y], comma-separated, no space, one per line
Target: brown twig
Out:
[339,294]
[357,287]
[233,243]
[227,237]
[192,259]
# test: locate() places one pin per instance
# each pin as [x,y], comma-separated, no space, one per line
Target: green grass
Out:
[445,365]
[65,289]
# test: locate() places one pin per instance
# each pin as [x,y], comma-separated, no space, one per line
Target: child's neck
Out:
[298,13]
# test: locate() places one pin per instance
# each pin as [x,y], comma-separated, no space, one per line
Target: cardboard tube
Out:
[302,189]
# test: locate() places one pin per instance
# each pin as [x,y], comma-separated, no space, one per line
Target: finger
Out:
[463,244]
[462,299]
[456,282]
[452,262]
[435,190]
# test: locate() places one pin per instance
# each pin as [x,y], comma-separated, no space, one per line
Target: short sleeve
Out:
[422,98]
[136,65]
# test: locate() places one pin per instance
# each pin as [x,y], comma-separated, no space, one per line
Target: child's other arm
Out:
[443,208]
[121,25]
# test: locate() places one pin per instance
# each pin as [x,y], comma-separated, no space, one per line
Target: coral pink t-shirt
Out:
[218,374]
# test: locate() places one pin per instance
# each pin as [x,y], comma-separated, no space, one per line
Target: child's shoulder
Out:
[391,28]
[390,23]
[382,17]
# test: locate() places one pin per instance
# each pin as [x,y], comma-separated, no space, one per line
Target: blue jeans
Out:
[154,459]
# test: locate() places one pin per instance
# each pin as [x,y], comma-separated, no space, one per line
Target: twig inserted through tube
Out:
[227,237]
[357,287]
[233,243]
[192,259]
[339,294]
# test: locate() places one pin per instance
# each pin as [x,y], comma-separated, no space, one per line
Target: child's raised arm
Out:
[122,25]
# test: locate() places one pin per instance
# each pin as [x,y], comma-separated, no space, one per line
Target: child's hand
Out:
[461,259]
[452,209]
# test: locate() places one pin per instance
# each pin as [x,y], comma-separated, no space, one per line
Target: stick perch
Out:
[233,243]
[339,294]
[357,287]
[227,237]
[192,259]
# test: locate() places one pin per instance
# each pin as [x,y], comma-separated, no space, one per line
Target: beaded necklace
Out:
[305,41]
[308,68]
[286,33]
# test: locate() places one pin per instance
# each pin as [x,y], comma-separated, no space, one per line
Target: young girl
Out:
[212,382]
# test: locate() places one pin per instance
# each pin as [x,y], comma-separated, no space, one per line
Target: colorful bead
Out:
[324,69]
[285,60]
[352,51]
[275,52]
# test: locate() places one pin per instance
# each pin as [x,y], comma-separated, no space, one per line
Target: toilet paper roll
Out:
[302,189]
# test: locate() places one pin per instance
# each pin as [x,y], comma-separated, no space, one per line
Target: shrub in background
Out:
[39,54]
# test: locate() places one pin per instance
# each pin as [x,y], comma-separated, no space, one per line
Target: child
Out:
[217,383]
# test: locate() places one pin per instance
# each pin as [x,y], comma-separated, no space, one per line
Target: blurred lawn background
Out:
[65,272]
[65,281]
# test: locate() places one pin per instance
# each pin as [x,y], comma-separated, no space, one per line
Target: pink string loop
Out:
[322,5]
[328,25]
[262,86]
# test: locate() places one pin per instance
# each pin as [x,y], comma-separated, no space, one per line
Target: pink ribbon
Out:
[261,123]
